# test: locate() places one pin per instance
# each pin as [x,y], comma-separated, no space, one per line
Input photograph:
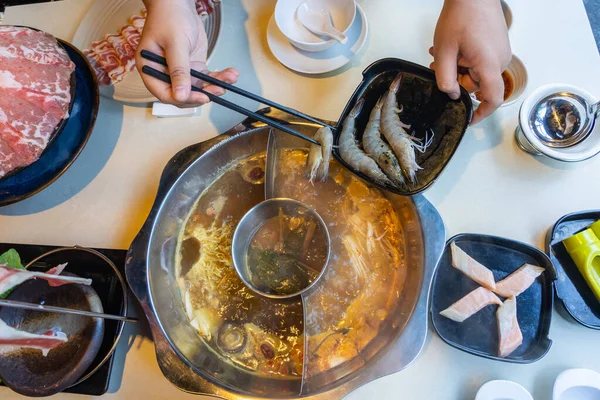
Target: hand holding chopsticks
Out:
[225,103]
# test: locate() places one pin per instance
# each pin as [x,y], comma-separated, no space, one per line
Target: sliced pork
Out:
[12,277]
[12,339]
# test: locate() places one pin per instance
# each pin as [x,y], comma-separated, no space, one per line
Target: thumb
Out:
[178,58]
[446,59]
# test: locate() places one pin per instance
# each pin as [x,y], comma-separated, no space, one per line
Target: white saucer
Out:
[318,63]
[577,384]
[502,390]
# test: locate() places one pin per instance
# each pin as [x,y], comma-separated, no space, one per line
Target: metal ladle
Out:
[563,119]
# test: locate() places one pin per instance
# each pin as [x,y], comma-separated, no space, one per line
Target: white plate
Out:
[577,384]
[502,390]
[108,16]
[325,61]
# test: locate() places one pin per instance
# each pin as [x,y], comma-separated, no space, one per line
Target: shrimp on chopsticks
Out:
[353,155]
[317,163]
[394,131]
[379,150]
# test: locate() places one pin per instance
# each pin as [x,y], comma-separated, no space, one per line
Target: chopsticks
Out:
[225,103]
[61,310]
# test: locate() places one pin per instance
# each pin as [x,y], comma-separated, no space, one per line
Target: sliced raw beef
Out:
[12,339]
[11,277]
[35,46]
[35,94]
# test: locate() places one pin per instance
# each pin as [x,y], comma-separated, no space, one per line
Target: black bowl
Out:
[67,142]
[426,109]
[571,288]
[478,334]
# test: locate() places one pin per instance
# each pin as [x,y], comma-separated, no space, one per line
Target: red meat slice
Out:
[138,23]
[109,59]
[93,58]
[131,36]
[124,50]
[39,47]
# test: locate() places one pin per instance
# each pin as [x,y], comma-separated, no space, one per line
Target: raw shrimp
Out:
[353,155]
[378,150]
[317,163]
[394,131]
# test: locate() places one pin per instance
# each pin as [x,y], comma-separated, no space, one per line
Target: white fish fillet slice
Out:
[474,270]
[510,336]
[518,282]
[470,304]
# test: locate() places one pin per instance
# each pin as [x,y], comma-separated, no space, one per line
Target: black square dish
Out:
[425,108]
[105,283]
[479,334]
[571,289]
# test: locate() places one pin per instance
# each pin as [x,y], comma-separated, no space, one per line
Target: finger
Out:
[432,51]
[159,89]
[468,83]
[178,59]
[492,92]
[446,58]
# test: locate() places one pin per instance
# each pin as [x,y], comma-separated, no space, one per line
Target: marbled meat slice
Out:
[10,159]
[510,336]
[124,50]
[132,36]
[47,86]
[12,277]
[470,267]
[39,47]
[144,13]
[101,75]
[470,304]
[12,339]
[204,7]
[108,58]
[138,23]
[517,282]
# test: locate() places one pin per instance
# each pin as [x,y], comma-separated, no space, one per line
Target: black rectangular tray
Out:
[479,334]
[109,290]
[570,286]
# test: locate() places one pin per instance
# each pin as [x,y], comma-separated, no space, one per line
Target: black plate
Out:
[425,108]
[571,289]
[479,334]
[30,373]
[66,145]
[105,283]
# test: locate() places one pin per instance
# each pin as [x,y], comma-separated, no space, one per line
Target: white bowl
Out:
[518,73]
[502,390]
[577,384]
[343,13]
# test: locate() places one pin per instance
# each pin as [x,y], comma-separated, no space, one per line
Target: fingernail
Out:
[454,96]
[180,93]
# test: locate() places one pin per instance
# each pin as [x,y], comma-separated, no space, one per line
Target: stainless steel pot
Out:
[184,358]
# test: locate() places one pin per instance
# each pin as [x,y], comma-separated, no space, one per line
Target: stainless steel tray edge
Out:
[395,358]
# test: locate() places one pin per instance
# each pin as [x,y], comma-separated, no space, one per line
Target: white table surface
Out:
[489,187]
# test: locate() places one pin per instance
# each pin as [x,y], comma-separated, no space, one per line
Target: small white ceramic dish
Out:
[323,62]
[577,384]
[518,73]
[502,390]
[530,142]
[343,14]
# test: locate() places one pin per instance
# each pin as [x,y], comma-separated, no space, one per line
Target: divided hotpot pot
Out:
[184,357]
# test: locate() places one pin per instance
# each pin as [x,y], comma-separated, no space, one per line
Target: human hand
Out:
[174,30]
[472,35]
